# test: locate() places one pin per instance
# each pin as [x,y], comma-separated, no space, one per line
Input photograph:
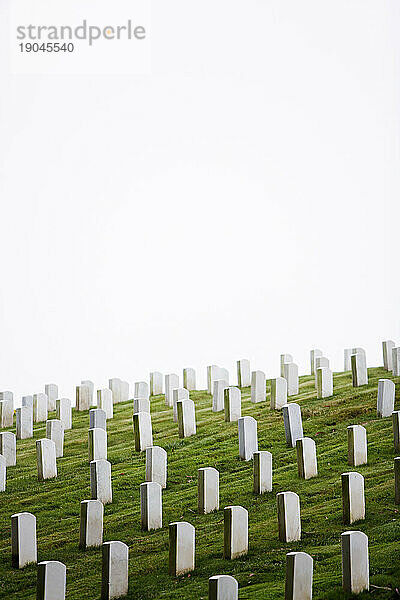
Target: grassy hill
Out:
[261,574]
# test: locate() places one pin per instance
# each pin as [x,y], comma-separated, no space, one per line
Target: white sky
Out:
[239,200]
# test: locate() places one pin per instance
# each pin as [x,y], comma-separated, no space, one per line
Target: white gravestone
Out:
[313,355]
[385,401]
[236,532]
[156,465]
[396,362]
[353,499]
[51,391]
[218,395]
[396,430]
[55,432]
[186,418]
[46,459]
[97,418]
[105,401]
[3,473]
[285,358]
[320,362]
[150,505]
[97,444]
[141,389]
[278,393]
[262,472]
[27,401]
[40,410]
[207,490]
[156,383]
[248,441]
[64,412]
[293,423]
[355,562]
[347,359]
[6,409]
[189,379]
[83,397]
[90,385]
[142,431]
[289,523]
[141,405]
[51,580]
[324,382]
[299,576]
[24,422]
[23,539]
[91,524]
[100,481]
[359,369]
[8,447]
[114,579]
[306,458]
[223,587]
[181,548]
[243,373]
[171,383]
[120,390]
[214,372]
[387,348]
[291,374]
[178,394]
[357,445]
[232,404]
[258,389]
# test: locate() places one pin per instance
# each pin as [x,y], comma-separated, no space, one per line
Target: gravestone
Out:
[120,390]
[3,473]
[90,385]
[278,393]
[258,390]
[141,405]
[186,418]
[397,480]
[293,423]
[353,499]
[40,410]
[321,362]
[97,444]
[219,394]
[396,429]
[299,576]
[347,359]
[306,458]
[64,412]
[171,382]
[55,432]
[387,348]
[51,580]
[100,481]
[248,442]
[214,372]
[178,394]
[396,362]
[207,490]
[236,532]
[91,524]
[385,401]
[141,390]
[46,459]
[223,587]
[262,472]
[6,409]
[289,523]
[97,418]
[189,379]
[357,445]
[313,355]
[51,391]
[156,383]
[291,374]
[142,431]
[355,563]
[24,422]
[324,382]
[232,404]
[285,358]
[243,373]
[359,369]
[114,578]
[23,539]
[150,505]
[8,447]
[105,402]
[181,548]
[156,465]
[27,401]
[83,397]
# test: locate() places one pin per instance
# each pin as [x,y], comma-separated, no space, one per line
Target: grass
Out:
[261,574]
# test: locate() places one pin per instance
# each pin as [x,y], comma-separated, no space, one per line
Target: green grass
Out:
[261,574]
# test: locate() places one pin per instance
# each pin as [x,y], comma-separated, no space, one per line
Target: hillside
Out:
[56,503]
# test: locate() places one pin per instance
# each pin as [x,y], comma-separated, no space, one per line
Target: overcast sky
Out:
[238,200]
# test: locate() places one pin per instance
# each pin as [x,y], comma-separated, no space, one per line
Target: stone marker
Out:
[385,402]
[150,505]
[289,523]
[83,397]
[186,418]
[120,390]
[51,580]
[291,374]
[100,481]
[248,443]
[397,480]
[23,539]
[359,369]
[156,383]
[178,394]
[396,362]
[324,382]
[114,580]
[141,405]
[258,390]
[278,393]
[347,359]
[97,418]
[262,472]
[321,362]
[285,358]
[24,422]
[306,458]
[355,564]
[207,490]
[214,372]
[97,444]
[171,382]
[313,355]
[55,432]
[90,385]
[223,374]
[27,401]
[40,410]
[232,404]
[181,548]
[293,423]
[236,532]
[219,394]
[396,429]
[353,500]
[51,391]
[156,465]
[141,389]
[46,459]
[387,348]
[243,373]
[8,447]
[6,409]
[3,473]
[189,379]
[64,412]
[357,445]
[105,402]
[142,431]
[299,576]
[91,524]
[223,587]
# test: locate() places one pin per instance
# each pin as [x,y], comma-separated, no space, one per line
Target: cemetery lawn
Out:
[261,574]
